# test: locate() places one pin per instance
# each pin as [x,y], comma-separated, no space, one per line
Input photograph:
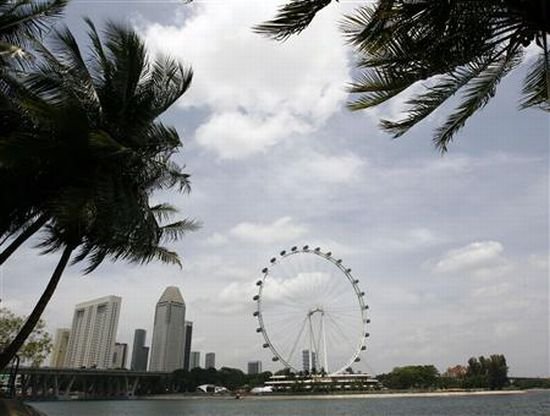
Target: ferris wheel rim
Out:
[359,295]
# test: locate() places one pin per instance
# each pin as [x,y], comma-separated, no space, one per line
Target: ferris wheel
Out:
[311,312]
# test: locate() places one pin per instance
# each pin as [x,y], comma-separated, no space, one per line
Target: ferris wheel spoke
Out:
[338,328]
[282,328]
[287,301]
[338,289]
[348,322]
[293,350]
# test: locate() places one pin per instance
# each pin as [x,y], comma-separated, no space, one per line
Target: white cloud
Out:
[332,169]
[216,240]
[493,291]
[506,329]
[260,91]
[281,230]
[539,261]
[296,287]
[234,135]
[407,240]
[478,255]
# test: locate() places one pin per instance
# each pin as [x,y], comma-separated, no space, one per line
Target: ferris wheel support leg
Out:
[324,335]
[311,343]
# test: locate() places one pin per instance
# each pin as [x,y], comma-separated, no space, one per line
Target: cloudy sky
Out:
[452,250]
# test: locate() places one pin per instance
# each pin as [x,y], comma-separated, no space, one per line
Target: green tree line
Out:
[481,373]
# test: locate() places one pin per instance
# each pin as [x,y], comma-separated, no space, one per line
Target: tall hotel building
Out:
[168,345]
[60,344]
[93,333]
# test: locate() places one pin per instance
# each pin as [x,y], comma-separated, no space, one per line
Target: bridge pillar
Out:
[55,386]
[67,393]
[134,386]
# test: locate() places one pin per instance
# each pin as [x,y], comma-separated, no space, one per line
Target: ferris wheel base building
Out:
[332,382]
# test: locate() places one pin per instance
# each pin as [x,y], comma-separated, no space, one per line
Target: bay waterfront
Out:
[535,403]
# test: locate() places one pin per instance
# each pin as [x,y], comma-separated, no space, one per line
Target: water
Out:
[531,403]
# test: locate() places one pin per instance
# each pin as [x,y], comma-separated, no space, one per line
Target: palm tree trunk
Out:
[11,350]
[21,238]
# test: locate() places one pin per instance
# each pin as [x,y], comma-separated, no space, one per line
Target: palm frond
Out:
[376,87]
[163,211]
[422,105]
[476,95]
[22,21]
[169,80]
[166,256]
[291,19]
[536,87]
[175,230]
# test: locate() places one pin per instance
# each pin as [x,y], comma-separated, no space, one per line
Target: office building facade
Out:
[254,367]
[187,350]
[140,353]
[168,344]
[309,360]
[93,333]
[195,361]
[119,355]
[210,360]
[60,345]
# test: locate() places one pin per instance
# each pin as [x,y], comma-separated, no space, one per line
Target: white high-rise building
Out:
[93,333]
[60,344]
[168,345]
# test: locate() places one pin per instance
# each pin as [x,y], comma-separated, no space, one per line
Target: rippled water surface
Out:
[531,403]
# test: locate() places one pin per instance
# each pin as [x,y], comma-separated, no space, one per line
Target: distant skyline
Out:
[452,250]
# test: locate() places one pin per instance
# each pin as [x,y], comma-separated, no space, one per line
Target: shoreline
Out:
[338,396]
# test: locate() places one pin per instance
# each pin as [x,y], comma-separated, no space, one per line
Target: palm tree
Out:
[446,48]
[24,21]
[97,138]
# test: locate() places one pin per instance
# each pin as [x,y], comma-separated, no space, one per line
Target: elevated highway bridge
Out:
[87,383]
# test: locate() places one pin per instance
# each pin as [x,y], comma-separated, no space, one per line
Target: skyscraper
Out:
[195,360]
[140,352]
[210,360]
[168,346]
[119,355]
[93,332]
[60,344]
[305,360]
[187,351]
[254,367]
